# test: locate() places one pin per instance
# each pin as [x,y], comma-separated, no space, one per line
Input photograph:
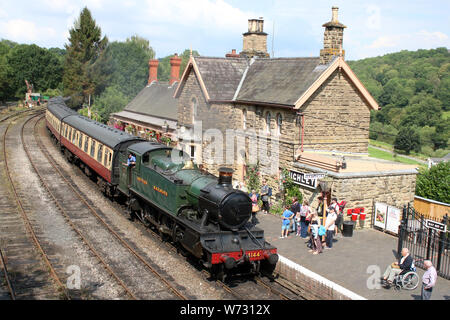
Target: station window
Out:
[268,118]
[100,152]
[93,148]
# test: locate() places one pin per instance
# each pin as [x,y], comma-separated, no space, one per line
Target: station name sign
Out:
[306,179]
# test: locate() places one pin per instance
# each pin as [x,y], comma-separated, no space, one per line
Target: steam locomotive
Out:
[165,190]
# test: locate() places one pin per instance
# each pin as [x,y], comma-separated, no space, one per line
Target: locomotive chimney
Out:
[225,176]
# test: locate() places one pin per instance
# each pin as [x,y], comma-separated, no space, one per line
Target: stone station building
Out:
[315,108]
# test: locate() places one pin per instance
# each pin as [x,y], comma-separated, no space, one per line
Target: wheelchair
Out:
[409,280]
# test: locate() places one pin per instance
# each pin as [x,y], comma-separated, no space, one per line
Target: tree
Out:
[128,62]
[164,64]
[111,100]
[86,46]
[36,65]
[434,183]
[406,140]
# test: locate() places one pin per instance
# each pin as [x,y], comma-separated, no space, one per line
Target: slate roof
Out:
[264,80]
[280,80]
[155,100]
[221,76]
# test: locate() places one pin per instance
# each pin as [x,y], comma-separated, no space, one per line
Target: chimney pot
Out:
[334,16]
[233,54]
[152,70]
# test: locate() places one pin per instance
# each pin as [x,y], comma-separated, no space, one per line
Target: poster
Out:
[393,219]
[380,215]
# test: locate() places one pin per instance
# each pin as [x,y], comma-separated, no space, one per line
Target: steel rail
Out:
[27,221]
[5,271]
[103,222]
[69,221]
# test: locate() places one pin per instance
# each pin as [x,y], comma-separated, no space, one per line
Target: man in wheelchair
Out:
[404,265]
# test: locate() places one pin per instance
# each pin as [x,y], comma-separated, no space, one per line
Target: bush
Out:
[434,183]
[289,188]
[407,140]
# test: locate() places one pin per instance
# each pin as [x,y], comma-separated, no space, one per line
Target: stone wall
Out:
[363,189]
[337,117]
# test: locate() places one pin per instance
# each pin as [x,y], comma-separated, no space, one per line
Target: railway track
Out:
[241,289]
[71,203]
[26,267]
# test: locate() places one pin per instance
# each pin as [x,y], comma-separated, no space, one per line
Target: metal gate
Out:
[423,242]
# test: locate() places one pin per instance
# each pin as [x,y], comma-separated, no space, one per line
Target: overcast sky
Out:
[214,27]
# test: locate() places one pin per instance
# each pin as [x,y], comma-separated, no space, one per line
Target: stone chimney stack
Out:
[175,63]
[152,70]
[333,38]
[255,40]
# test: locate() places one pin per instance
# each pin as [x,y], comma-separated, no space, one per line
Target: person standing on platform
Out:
[316,241]
[265,197]
[305,210]
[295,208]
[255,206]
[329,226]
[288,215]
[428,280]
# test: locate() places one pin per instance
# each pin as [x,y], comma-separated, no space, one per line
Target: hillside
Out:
[413,91]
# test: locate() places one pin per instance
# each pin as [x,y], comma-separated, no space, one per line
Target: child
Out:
[287,217]
[316,241]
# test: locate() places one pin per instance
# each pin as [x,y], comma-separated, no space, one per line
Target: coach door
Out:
[125,173]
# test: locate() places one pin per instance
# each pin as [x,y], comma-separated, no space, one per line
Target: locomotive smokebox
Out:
[225,176]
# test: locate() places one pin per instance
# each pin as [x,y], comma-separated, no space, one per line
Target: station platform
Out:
[355,263]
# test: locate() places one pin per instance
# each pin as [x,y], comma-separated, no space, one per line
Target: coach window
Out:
[105,157]
[93,148]
[80,141]
[109,159]
[86,144]
[70,134]
[99,153]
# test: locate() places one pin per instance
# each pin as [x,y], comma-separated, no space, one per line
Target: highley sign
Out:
[308,180]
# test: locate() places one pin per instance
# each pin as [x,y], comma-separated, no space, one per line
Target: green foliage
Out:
[92,115]
[82,74]
[38,66]
[413,90]
[164,64]
[407,140]
[253,178]
[434,183]
[129,64]
[289,188]
[111,100]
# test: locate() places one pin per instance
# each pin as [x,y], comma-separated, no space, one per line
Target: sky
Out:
[214,27]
